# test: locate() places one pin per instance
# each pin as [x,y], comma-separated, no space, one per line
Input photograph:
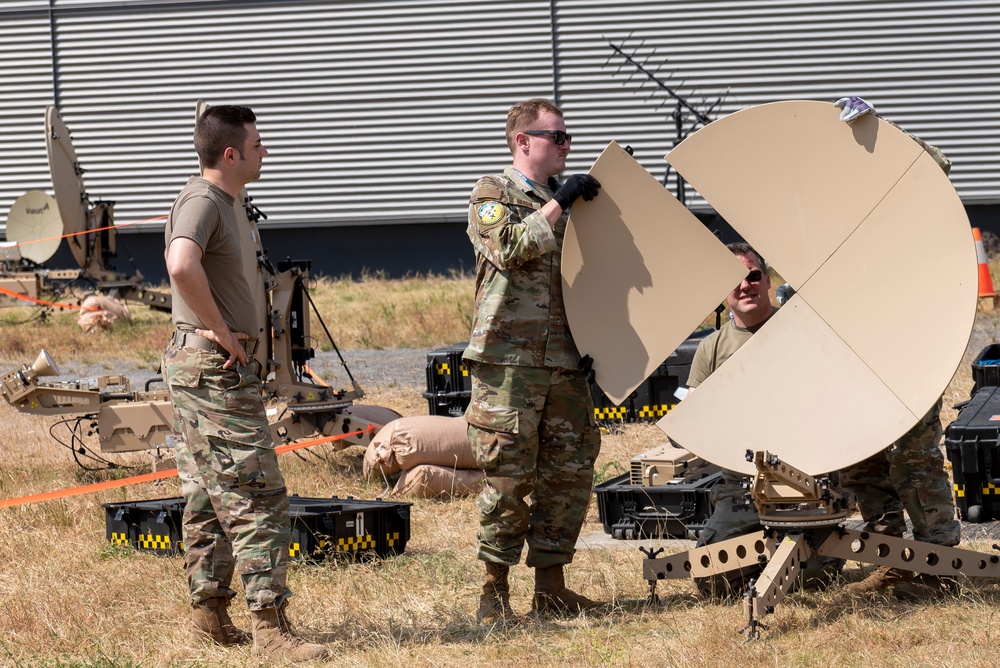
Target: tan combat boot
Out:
[881,578]
[494,603]
[273,638]
[552,596]
[211,620]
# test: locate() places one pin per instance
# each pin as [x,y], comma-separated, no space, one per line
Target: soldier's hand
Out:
[853,108]
[231,342]
[578,185]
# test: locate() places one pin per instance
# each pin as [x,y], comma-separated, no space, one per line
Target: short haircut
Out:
[218,128]
[523,114]
[746,250]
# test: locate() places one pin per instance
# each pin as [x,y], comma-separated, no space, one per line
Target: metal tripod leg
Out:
[775,582]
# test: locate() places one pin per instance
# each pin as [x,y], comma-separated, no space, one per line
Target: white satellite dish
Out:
[34,223]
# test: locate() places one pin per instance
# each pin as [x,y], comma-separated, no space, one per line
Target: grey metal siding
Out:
[931,66]
[25,88]
[373,112]
[386,111]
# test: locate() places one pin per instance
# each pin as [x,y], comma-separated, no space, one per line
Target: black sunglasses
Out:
[754,276]
[558,136]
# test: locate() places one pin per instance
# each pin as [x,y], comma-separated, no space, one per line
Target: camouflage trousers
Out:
[731,516]
[533,433]
[236,506]
[909,475]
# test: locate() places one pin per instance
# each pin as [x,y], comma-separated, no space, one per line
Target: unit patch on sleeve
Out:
[491,213]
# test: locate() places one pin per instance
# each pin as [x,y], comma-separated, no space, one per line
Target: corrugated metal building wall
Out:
[387,111]
[931,66]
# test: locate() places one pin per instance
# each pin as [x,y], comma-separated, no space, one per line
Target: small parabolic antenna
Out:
[35,224]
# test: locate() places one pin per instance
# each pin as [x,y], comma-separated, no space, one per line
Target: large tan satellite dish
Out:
[852,216]
[34,223]
[67,182]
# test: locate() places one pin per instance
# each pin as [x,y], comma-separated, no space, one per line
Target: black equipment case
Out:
[673,510]
[971,445]
[321,527]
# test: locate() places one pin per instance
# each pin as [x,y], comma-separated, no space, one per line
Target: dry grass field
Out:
[67,598]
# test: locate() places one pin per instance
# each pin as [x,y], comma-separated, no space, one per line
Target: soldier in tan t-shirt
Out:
[236,505]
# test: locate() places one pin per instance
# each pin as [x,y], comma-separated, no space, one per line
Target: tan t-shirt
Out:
[204,213]
[715,349]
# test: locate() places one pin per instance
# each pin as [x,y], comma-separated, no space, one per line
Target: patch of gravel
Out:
[400,367]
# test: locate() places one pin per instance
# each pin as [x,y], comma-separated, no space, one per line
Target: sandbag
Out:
[100,312]
[428,480]
[422,439]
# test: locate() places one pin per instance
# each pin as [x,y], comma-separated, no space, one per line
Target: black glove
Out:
[578,185]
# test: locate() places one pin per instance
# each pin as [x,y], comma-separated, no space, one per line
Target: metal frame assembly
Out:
[802,516]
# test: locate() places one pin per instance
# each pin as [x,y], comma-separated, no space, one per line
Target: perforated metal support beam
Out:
[729,555]
[908,554]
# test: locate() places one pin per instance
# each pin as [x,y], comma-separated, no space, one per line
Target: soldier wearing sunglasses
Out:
[531,418]
[749,308]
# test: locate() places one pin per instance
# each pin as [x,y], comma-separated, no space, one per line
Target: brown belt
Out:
[183,339]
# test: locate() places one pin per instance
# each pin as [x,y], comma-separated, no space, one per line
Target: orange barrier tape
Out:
[158,475]
[42,302]
[96,229]
[312,374]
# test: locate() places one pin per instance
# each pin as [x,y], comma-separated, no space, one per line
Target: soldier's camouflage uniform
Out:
[909,475]
[236,506]
[531,417]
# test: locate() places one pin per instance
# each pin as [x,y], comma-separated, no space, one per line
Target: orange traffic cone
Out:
[985,281]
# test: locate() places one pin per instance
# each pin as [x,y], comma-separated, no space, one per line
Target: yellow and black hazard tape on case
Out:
[445,369]
[148,526]
[356,543]
[348,527]
[154,542]
[116,538]
[653,412]
[610,413]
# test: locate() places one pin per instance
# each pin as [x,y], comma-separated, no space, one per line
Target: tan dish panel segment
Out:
[857,216]
[793,179]
[67,181]
[640,273]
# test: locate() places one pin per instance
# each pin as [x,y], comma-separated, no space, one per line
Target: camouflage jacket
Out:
[520,319]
